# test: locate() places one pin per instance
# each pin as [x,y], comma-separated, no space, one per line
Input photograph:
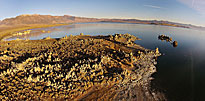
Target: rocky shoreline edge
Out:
[78,67]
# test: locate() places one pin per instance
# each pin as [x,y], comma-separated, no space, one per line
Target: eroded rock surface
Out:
[77,68]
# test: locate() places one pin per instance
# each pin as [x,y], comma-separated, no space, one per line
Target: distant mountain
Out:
[48,19]
[41,19]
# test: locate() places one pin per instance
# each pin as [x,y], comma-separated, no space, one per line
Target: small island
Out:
[168,39]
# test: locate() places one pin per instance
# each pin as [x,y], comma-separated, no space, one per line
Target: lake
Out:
[180,70]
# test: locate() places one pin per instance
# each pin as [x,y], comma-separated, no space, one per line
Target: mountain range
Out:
[49,19]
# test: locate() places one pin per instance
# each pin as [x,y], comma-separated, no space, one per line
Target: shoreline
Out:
[79,67]
[8,31]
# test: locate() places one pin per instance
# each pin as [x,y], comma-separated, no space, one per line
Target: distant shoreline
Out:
[9,31]
[23,22]
[6,33]
[9,26]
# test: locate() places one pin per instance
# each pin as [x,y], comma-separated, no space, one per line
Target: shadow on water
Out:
[178,76]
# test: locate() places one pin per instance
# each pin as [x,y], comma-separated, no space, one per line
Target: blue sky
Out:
[184,11]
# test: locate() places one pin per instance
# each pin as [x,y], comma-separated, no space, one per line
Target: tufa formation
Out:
[77,68]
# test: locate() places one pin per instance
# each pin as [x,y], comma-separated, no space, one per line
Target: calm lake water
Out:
[180,70]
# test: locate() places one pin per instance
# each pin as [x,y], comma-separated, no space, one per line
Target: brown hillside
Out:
[45,19]
[38,19]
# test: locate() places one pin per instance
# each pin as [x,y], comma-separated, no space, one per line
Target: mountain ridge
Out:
[50,19]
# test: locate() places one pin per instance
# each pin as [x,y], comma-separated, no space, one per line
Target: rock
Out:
[168,39]
[157,50]
[17,39]
[81,34]
[47,38]
[164,37]
[175,43]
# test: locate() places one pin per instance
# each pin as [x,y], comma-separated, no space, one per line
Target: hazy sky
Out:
[185,11]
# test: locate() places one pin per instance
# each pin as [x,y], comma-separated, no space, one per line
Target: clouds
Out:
[152,6]
[198,5]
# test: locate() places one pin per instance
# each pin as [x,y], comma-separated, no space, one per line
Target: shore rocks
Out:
[76,68]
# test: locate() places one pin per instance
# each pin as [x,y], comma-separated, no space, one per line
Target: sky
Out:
[182,11]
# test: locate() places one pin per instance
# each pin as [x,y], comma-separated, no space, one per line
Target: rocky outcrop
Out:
[164,37]
[125,39]
[77,68]
[168,39]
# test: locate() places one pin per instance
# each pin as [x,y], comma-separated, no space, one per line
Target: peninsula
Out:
[78,67]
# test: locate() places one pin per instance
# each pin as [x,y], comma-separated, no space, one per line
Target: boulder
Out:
[175,43]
